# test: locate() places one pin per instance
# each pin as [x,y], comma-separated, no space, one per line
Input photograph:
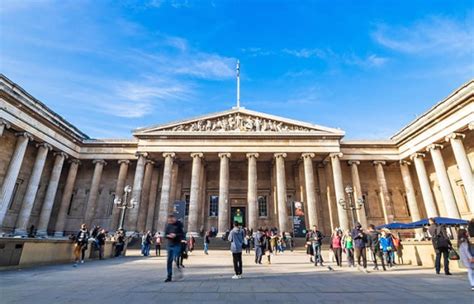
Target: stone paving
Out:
[207,279]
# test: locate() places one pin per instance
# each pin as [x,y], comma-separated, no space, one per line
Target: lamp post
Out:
[350,204]
[125,204]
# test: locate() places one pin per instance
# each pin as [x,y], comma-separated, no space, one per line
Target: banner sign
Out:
[179,209]
[299,225]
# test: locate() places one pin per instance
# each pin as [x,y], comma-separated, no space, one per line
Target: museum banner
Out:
[179,210]
[299,226]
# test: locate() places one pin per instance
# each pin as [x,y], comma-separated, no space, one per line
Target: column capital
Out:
[249,155]
[45,145]
[454,136]
[282,155]
[336,155]
[199,154]
[405,162]
[123,161]
[141,154]
[61,154]
[99,161]
[434,147]
[417,155]
[24,134]
[224,154]
[5,123]
[353,162]
[75,160]
[379,162]
[308,155]
[169,154]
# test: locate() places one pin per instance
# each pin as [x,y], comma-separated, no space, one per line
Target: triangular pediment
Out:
[238,121]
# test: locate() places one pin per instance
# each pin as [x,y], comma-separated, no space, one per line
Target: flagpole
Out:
[238,84]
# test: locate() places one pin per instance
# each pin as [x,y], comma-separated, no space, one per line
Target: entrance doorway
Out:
[238,214]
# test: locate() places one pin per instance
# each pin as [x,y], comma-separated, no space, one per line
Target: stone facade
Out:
[227,162]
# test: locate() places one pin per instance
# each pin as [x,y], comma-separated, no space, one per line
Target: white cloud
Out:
[305,53]
[436,34]
[208,66]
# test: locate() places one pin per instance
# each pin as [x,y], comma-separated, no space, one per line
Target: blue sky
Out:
[367,67]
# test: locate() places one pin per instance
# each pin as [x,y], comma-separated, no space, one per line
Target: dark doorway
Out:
[238,214]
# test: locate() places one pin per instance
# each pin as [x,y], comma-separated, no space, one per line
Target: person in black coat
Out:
[441,244]
[174,234]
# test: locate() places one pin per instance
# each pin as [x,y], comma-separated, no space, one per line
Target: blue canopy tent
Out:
[439,220]
[394,225]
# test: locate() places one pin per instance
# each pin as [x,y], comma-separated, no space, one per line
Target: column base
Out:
[59,234]
[41,232]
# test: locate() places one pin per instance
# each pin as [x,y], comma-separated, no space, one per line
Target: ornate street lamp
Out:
[350,204]
[125,203]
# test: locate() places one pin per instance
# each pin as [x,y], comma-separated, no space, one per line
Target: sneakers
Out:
[235,277]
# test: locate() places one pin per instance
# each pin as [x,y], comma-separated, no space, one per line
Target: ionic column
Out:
[281,191]
[465,169]
[136,191]
[361,216]
[94,191]
[339,189]
[410,192]
[13,170]
[310,188]
[386,199]
[443,179]
[3,125]
[223,219]
[428,198]
[24,215]
[194,194]
[252,191]
[143,207]
[165,191]
[121,179]
[66,198]
[155,177]
[48,203]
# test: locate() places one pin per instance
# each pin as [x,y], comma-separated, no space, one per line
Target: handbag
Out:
[453,255]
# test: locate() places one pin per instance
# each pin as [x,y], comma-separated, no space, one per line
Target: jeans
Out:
[350,256]
[206,247]
[146,249]
[377,253]
[157,249]
[258,254]
[361,253]
[174,251]
[318,258]
[338,255]
[387,256]
[237,258]
[444,252]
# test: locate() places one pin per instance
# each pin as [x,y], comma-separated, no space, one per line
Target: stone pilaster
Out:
[24,215]
[194,194]
[142,213]
[48,203]
[165,192]
[339,189]
[66,198]
[428,198]
[465,169]
[11,175]
[443,179]
[223,219]
[252,189]
[387,205]
[281,191]
[361,216]
[94,191]
[119,188]
[310,188]
[136,191]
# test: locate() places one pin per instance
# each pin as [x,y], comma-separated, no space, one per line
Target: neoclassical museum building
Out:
[234,163]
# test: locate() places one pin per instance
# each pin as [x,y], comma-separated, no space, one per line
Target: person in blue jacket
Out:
[386,245]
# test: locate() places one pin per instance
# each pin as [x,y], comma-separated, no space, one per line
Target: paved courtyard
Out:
[207,279]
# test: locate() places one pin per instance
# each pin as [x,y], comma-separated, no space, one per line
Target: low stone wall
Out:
[28,252]
[423,254]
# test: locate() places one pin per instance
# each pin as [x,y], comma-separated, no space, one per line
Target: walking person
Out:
[101,236]
[259,239]
[174,234]
[119,242]
[207,240]
[157,244]
[236,239]
[360,242]
[441,244]
[82,238]
[146,243]
[247,242]
[386,245]
[336,246]
[348,247]
[309,246]
[467,258]
[373,237]
[316,238]
[191,243]
[398,249]
[267,246]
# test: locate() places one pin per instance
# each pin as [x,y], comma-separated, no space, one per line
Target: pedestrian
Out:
[247,242]
[309,246]
[373,237]
[467,258]
[191,243]
[146,243]
[183,254]
[397,243]
[291,241]
[207,240]
[80,247]
[441,244]
[119,242]
[267,246]
[348,247]
[174,234]
[470,227]
[336,246]
[360,242]
[273,242]
[386,245]
[157,240]
[101,236]
[316,238]
[259,240]
[236,239]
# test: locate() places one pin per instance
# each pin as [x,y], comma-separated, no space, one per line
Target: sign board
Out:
[179,209]
[299,225]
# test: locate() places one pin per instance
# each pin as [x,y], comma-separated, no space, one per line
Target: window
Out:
[262,206]
[405,198]
[70,202]
[213,205]
[186,199]
[15,190]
